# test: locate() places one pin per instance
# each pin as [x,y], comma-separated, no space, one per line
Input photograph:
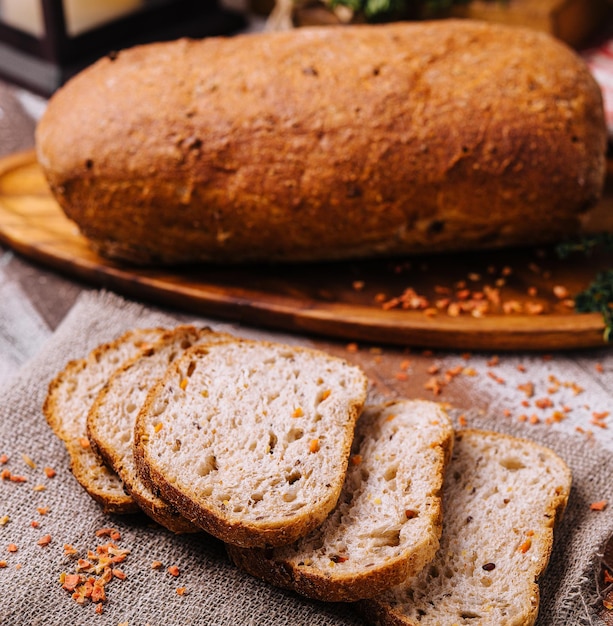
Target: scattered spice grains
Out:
[96,571]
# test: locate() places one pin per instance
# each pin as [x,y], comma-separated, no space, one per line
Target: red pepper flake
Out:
[543,403]
[99,608]
[49,472]
[114,534]
[69,550]
[607,577]
[119,574]
[527,388]
[42,510]
[71,581]
[607,604]
[601,505]
[181,591]
[496,378]
[18,479]
[521,368]
[34,524]
[12,547]
[314,445]
[507,413]
[525,546]
[45,540]
[3,459]
[156,564]
[534,419]
[495,360]
[173,570]
[525,403]
[3,564]
[462,421]
[356,459]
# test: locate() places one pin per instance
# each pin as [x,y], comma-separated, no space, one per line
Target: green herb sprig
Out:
[598,297]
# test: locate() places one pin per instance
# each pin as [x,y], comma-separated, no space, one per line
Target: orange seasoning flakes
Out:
[314,445]
[298,412]
[173,570]
[49,472]
[525,546]
[181,591]
[94,573]
[462,421]
[3,459]
[12,547]
[601,505]
[42,510]
[84,443]
[28,461]
[45,540]
[156,564]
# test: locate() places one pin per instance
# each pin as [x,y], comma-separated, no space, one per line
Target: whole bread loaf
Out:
[327,143]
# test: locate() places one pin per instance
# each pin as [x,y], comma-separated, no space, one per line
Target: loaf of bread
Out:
[327,143]
[110,421]
[250,440]
[71,394]
[502,498]
[388,521]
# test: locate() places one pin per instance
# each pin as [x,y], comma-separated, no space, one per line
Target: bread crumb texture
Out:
[227,435]
[502,496]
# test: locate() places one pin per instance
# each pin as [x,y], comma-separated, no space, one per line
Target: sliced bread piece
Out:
[110,422]
[71,393]
[388,520]
[502,498]
[250,440]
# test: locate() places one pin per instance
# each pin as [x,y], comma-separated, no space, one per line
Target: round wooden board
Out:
[341,300]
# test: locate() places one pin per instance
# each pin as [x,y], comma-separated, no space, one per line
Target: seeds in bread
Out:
[110,422]
[70,395]
[388,521]
[250,440]
[502,497]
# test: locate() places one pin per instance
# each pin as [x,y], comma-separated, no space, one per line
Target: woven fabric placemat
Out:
[216,594]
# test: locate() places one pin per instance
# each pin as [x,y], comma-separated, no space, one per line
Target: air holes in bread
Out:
[391,473]
[191,368]
[293,476]
[208,465]
[294,434]
[469,615]
[512,464]
[389,537]
[272,442]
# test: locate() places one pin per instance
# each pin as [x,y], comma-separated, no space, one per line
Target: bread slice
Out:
[502,498]
[250,440]
[70,395]
[110,422]
[388,521]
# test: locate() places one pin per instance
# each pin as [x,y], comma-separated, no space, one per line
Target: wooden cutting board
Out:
[363,301]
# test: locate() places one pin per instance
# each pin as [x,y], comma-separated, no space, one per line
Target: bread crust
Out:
[326,583]
[70,424]
[216,518]
[327,143]
[386,609]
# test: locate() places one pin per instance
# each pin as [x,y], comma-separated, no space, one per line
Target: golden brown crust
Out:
[98,480]
[267,532]
[380,611]
[350,586]
[328,143]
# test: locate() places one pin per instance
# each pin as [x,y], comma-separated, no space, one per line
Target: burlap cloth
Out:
[216,593]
